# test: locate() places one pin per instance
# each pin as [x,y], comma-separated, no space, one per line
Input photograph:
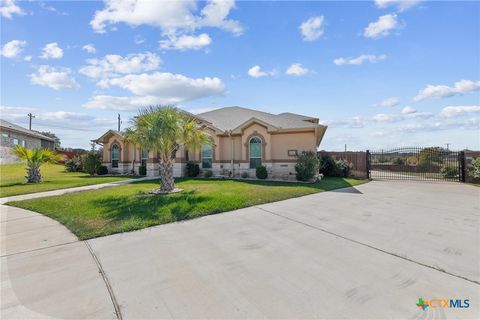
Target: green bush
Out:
[261,172]
[73,165]
[142,170]
[343,168]
[193,169]
[327,166]
[244,174]
[474,167]
[102,170]
[91,162]
[208,173]
[449,171]
[307,165]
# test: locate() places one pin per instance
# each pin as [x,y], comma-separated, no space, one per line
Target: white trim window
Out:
[207,156]
[115,155]
[255,152]
[143,158]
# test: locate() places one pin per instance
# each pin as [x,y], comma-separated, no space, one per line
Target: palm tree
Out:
[165,129]
[34,159]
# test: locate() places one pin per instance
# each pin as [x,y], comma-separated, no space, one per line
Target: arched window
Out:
[255,152]
[115,155]
[207,156]
[144,157]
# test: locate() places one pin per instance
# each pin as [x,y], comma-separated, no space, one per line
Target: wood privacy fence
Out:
[358,159]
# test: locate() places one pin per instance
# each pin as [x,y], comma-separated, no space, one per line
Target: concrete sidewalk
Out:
[46,273]
[70,190]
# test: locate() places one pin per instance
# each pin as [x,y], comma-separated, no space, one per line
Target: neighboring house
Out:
[13,134]
[242,140]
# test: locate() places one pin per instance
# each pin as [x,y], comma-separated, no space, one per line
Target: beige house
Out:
[242,140]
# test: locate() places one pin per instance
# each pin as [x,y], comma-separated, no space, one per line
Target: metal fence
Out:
[417,163]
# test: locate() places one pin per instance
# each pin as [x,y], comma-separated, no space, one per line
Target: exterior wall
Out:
[282,143]
[275,155]
[7,144]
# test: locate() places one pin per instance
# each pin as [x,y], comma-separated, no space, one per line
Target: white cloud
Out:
[353,122]
[90,48]
[382,27]
[452,111]
[401,5]
[389,102]
[172,87]
[186,42]
[156,88]
[13,48]
[312,29]
[52,51]
[107,102]
[382,117]
[27,58]
[8,8]
[65,116]
[114,65]
[256,72]
[172,17]
[138,39]
[359,60]
[408,110]
[441,91]
[296,69]
[53,78]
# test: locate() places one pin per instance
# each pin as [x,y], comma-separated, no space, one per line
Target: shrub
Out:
[474,167]
[399,161]
[102,170]
[343,168]
[91,162]
[449,171]
[73,165]
[208,173]
[142,170]
[307,165]
[261,172]
[327,166]
[193,169]
[244,174]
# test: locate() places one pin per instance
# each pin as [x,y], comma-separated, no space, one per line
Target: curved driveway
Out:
[365,252]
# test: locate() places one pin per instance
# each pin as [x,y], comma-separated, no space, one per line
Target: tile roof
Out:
[8,125]
[229,118]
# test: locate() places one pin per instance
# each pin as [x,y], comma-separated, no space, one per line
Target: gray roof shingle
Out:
[229,118]
[8,125]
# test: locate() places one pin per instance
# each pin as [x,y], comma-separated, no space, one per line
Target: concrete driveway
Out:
[366,253]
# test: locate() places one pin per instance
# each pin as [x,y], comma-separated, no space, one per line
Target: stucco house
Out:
[12,135]
[242,140]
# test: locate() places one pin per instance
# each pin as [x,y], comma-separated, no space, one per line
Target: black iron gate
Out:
[430,163]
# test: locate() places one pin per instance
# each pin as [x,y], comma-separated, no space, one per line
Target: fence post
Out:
[463,168]
[367,162]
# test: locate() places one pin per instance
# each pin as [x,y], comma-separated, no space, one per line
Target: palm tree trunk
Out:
[167,183]
[33,175]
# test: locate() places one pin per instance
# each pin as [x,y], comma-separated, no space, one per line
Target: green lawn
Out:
[12,179]
[91,214]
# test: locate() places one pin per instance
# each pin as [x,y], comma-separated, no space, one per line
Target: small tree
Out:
[327,166]
[91,162]
[307,165]
[261,172]
[165,129]
[34,159]
[474,167]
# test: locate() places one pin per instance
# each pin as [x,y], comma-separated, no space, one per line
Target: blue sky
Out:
[380,74]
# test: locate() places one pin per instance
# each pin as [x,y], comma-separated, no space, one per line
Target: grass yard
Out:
[12,179]
[91,214]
